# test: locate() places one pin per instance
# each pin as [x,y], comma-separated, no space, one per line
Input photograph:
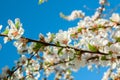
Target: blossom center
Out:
[15,33]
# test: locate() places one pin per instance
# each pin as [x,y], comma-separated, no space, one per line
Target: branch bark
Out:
[50,44]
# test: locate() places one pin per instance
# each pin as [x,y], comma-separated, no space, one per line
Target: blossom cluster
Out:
[93,41]
[14,30]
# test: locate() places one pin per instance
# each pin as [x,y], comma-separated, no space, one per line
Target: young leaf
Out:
[78,52]
[52,37]
[69,71]
[41,1]
[60,51]
[58,43]
[92,48]
[109,44]
[117,39]
[73,35]
[79,29]
[37,46]
[103,58]
[6,31]
[17,25]
[100,26]
[110,53]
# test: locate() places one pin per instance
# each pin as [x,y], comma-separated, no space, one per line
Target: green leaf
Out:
[69,71]
[58,43]
[17,25]
[109,44]
[6,31]
[92,48]
[112,20]
[47,63]
[103,58]
[37,46]
[78,52]
[41,1]
[22,78]
[110,53]
[73,35]
[100,26]
[117,39]
[60,52]
[94,29]
[52,37]
[79,29]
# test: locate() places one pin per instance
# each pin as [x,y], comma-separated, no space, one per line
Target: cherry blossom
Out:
[94,40]
[15,30]
[74,15]
[115,18]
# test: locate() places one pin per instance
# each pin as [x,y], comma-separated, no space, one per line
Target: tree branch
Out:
[50,44]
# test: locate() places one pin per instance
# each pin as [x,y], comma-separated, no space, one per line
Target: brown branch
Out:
[93,58]
[50,44]
[97,57]
[12,72]
[20,66]
[76,49]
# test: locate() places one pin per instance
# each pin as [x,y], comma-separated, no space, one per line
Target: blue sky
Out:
[42,19]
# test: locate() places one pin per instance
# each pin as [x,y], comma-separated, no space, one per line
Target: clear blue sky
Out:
[42,19]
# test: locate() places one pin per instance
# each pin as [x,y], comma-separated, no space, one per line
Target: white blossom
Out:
[23,60]
[102,2]
[74,15]
[63,37]
[16,30]
[115,18]
[1,27]
[106,75]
